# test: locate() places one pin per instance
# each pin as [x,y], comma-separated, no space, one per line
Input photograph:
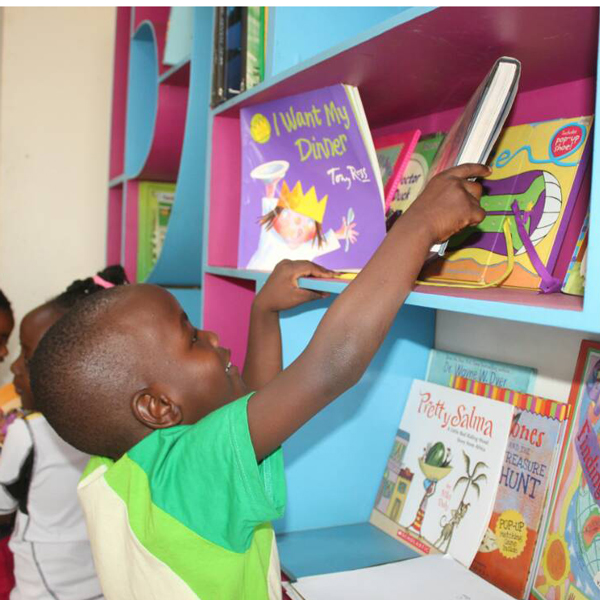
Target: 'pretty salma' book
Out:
[529,199]
[507,555]
[569,563]
[438,487]
[311,187]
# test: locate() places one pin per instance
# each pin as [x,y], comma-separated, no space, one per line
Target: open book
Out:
[473,135]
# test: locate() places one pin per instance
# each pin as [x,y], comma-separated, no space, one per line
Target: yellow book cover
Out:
[537,173]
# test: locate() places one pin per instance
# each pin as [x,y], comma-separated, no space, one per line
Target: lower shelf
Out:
[342,548]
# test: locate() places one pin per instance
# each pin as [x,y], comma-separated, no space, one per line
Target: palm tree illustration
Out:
[473,479]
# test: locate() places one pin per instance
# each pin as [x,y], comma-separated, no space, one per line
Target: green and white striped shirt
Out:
[185,514]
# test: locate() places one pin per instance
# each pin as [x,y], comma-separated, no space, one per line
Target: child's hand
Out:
[281,290]
[450,202]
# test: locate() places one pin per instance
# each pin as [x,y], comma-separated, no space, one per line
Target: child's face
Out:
[294,228]
[6,326]
[178,361]
[33,327]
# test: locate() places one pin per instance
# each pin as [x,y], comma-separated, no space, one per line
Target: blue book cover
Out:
[443,365]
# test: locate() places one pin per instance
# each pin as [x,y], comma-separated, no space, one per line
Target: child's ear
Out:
[155,410]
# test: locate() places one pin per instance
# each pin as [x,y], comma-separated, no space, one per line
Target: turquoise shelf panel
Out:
[328,27]
[142,98]
[181,257]
[191,302]
[335,462]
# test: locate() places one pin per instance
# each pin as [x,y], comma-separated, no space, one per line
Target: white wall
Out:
[55,89]
[553,352]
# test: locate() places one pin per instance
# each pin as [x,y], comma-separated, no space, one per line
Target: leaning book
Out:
[311,186]
[510,547]
[439,484]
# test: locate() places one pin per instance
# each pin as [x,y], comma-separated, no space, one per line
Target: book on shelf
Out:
[311,187]
[439,484]
[436,577]
[253,22]
[180,32]
[473,135]
[234,56]
[510,549]
[569,562]
[218,66]
[574,281]
[415,175]
[535,205]
[443,366]
[393,153]
[155,202]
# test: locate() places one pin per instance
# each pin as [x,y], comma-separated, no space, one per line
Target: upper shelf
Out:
[424,61]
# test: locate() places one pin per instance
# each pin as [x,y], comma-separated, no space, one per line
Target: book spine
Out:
[244,50]
[218,90]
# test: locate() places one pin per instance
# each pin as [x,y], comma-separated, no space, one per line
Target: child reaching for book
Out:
[189,470]
[39,474]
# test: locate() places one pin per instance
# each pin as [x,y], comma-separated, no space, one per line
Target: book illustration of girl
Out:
[292,225]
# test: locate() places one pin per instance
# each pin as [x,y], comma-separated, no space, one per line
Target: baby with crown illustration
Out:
[292,224]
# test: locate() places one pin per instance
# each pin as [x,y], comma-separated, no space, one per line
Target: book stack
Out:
[239,50]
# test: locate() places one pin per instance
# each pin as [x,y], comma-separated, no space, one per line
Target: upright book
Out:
[472,137]
[508,553]
[311,187]
[438,488]
[538,170]
[569,566]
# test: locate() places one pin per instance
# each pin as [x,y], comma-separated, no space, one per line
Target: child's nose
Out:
[213,338]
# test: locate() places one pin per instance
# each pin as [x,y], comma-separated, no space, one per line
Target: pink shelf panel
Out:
[224,219]
[227,304]
[163,159]
[114,225]
[179,75]
[119,94]
[131,230]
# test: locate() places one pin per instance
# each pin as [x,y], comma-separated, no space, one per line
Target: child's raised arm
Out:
[356,324]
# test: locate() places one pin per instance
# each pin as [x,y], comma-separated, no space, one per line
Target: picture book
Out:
[155,202]
[310,187]
[393,153]
[473,135]
[506,555]
[253,22]
[415,175]
[574,282]
[218,64]
[569,566]
[443,366]
[529,198]
[440,481]
[424,578]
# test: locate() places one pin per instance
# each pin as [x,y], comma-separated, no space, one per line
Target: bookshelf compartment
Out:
[130,229]
[226,310]
[114,225]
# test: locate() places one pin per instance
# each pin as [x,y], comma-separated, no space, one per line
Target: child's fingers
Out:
[474,188]
[469,170]
[308,295]
[310,269]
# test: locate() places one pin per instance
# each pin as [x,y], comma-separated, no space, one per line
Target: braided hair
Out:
[82,288]
[5,305]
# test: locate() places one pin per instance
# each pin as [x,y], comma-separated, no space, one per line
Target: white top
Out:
[39,473]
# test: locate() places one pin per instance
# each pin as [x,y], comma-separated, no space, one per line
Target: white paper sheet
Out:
[426,578]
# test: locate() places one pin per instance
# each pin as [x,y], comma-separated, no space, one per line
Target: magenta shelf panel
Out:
[163,159]
[224,219]
[226,309]
[119,93]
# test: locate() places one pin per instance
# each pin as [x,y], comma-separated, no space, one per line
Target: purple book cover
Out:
[309,190]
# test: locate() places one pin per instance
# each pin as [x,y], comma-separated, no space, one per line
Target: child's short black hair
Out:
[74,355]
[5,304]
